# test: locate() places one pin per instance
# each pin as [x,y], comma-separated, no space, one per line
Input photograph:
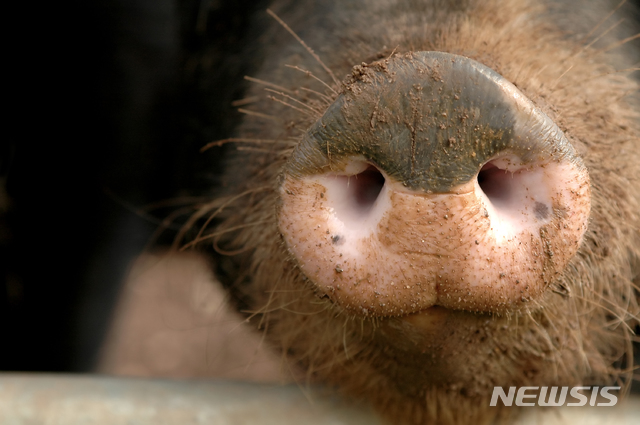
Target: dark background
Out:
[109,103]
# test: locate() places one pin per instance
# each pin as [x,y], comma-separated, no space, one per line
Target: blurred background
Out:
[109,102]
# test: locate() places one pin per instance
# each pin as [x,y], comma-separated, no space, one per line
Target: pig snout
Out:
[432,181]
[420,228]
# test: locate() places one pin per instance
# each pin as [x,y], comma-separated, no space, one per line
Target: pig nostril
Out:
[352,202]
[496,183]
[368,185]
[363,189]
[518,195]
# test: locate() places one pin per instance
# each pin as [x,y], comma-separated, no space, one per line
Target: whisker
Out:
[240,140]
[619,71]
[317,93]
[291,291]
[294,99]
[257,114]
[221,251]
[301,313]
[210,206]
[604,19]
[310,74]
[167,223]
[302,111]
[620,43]
[392,52]
[344,338]
[140,212]
[544,334]
[599,304]
[311,52]
[264,309]
[555,83]
[245,101]
[174,202]
[587,46]
[268,84]
[249,149]
[221,232]
[612,27]
[539,71]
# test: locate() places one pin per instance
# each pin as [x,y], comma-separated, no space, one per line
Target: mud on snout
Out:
[432,181]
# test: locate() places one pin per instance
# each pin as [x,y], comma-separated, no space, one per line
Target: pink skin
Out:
[486,247]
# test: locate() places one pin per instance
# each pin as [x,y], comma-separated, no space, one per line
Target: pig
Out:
[429,199]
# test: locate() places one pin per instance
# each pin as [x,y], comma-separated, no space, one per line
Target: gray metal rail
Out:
[98,400]
[42,399]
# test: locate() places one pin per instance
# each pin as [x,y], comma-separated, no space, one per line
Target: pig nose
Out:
[432,180]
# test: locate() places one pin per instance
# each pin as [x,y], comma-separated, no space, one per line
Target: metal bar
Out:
[96,400]
[46,399]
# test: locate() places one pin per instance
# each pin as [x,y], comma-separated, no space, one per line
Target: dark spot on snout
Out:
[337,240]
[541,211]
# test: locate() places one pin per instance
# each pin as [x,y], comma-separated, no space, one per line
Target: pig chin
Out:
[436,199]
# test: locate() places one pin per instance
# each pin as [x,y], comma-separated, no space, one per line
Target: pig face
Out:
[442,200]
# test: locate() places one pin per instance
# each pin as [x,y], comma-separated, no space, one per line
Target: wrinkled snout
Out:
[432,181]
